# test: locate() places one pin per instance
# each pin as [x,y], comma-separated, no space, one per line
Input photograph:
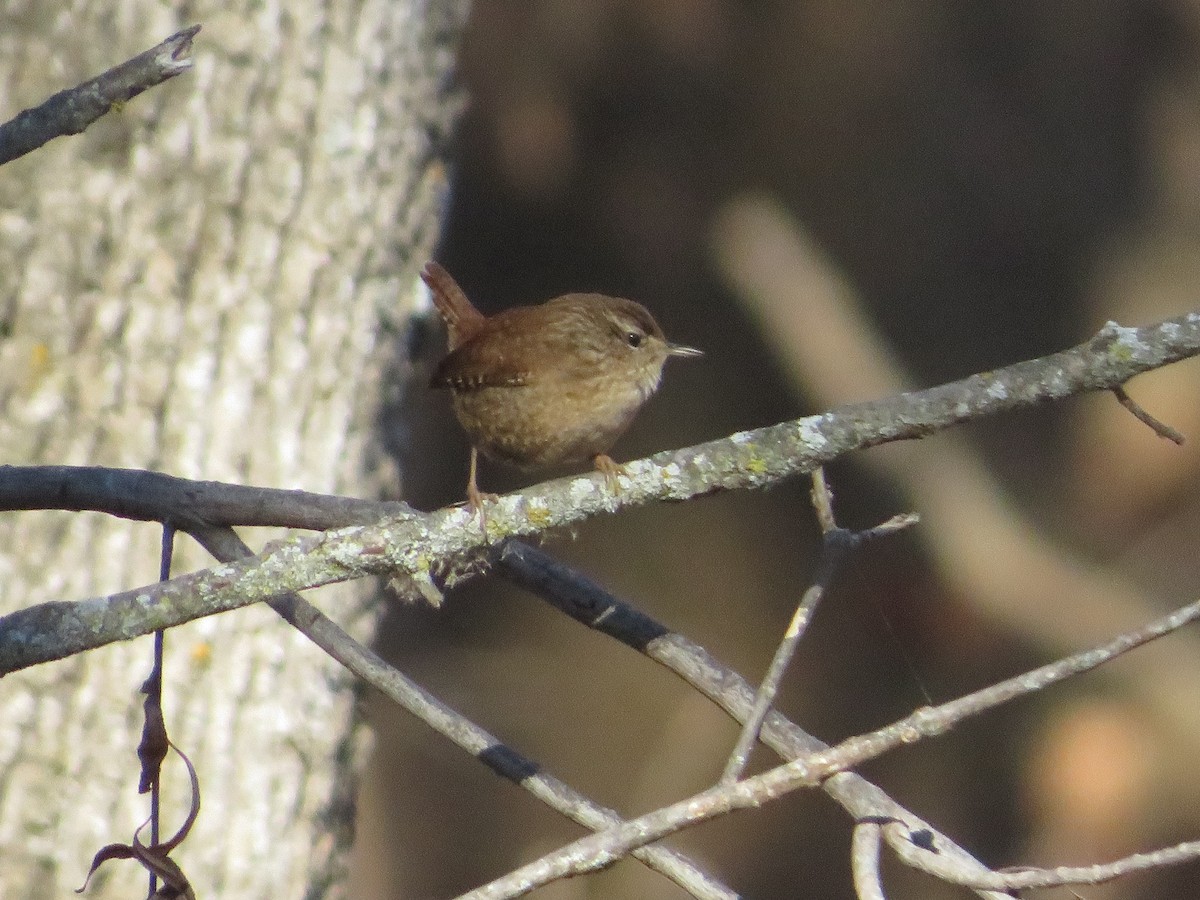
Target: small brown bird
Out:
[541,385]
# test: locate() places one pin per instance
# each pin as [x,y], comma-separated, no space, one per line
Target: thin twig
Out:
[73,110]
[153,688]
[822,501]
[224,544]
[600,850]
[1162,429]
[1023,878]
[865,845]
[836,543]
[583,600]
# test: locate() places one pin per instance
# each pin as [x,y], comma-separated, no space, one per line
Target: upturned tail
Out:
[462,319]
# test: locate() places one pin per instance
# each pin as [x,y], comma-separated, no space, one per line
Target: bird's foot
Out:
[476,503]
[612,471]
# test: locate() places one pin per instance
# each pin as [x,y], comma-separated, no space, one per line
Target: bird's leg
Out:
[475,497]
[611,469]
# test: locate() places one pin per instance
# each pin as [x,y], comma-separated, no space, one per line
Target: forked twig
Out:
[836,543]
[588,603]
[600,850]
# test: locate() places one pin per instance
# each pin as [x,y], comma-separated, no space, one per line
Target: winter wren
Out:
[541,385]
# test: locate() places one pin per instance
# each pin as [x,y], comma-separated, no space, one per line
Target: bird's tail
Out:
[458,312]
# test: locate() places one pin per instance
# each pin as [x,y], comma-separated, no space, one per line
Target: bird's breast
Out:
[546,422]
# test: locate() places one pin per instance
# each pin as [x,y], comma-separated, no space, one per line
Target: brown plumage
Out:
[541,385]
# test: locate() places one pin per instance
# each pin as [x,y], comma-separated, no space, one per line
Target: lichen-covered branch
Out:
[448,543]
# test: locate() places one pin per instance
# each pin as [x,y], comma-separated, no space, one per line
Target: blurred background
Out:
[832,199]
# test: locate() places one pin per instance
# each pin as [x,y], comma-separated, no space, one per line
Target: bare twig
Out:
[836,543]
[1014,572]
[416,545]
[73,110]
[1022,878]
[1162,429]
[585,601]
[864,861]
[600,850]
[152,749]
[206,509]
[822,501]
[223,543]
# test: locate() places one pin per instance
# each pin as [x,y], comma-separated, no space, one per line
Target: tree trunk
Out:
[200,284]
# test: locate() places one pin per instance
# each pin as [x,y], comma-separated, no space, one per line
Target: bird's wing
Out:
[490,359]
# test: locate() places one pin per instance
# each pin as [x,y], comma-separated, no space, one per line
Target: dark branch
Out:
[154,497]
[73,110]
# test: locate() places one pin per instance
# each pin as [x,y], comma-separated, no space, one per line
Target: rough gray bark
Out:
[197,285]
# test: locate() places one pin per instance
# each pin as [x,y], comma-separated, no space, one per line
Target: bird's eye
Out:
[634,338]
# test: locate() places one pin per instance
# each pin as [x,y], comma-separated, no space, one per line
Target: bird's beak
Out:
[680,350]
